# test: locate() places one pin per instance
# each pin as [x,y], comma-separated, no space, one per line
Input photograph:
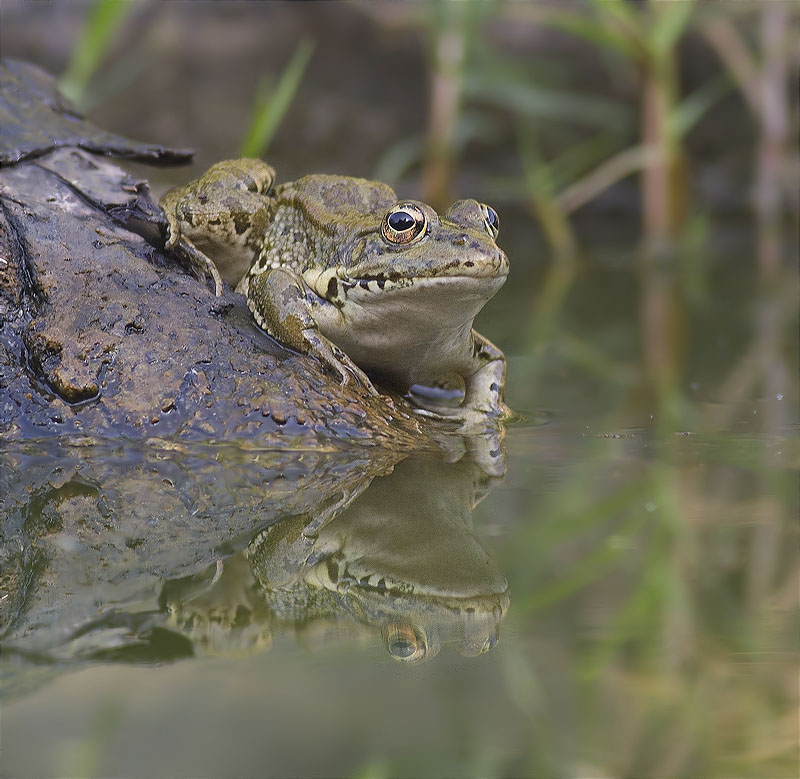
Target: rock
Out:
[104,334]
[37,119]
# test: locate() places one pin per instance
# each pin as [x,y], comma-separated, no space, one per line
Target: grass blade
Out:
[692,108]
[105,17]
[537,102]
[669,24]
[271,108]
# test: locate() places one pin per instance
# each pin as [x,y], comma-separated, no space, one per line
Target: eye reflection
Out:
[403,643]
[490,643]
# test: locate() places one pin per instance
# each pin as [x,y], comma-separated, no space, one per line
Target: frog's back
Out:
[332,202]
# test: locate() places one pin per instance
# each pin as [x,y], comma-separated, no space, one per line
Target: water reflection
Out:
[163,553]
[400,560]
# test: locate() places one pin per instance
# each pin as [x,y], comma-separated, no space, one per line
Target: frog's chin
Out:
[418,618]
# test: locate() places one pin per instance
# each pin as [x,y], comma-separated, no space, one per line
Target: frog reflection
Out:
[400,559]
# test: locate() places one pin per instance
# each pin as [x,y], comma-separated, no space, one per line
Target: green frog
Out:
[342,270]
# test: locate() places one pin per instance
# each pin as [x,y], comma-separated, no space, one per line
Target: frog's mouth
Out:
[339,289]
[417,619]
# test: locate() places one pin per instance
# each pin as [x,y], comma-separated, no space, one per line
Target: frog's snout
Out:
[480,260]
[496,262]
[502,263]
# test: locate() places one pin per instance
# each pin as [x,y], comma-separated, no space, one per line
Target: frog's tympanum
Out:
[342,270]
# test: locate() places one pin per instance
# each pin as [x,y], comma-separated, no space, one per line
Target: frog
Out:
[371,285]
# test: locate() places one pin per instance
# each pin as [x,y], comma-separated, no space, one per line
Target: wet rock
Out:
[37,119]
[102,333]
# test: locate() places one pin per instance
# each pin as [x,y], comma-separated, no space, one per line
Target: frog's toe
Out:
[352,374]
[490,408]
[337,362]
[488,452]
[201,264]
[173,232]
[486,401]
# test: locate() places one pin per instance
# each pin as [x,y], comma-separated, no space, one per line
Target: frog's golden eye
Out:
[491,220]
[403,643]
[404,223]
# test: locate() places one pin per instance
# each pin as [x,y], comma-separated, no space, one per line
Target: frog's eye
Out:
[489,644]
[490,220]
[403,643]
[404,223]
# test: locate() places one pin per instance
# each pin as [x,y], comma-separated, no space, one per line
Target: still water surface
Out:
[623,601]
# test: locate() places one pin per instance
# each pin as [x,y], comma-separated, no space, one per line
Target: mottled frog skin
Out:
[344,271]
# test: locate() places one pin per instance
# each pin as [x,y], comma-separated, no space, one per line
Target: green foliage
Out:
[586,26]
[272,103]
[532,101]
[687,113]
[562,167]
[669,23]
[104,19]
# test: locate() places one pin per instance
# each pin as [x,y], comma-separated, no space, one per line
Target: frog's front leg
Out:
[281,305]
[223,214]
[200,262]
[485,386]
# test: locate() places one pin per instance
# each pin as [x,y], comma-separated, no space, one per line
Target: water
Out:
[622,602]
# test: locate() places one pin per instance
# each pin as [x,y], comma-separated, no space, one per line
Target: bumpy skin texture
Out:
[343,271]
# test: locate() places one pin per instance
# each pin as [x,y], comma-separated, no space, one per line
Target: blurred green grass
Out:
[272,102]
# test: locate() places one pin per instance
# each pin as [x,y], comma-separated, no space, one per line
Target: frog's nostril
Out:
[460,240]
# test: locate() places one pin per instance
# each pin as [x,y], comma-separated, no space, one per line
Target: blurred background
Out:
[643,158]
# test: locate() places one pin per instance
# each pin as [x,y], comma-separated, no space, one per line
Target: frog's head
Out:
[417,619]
[411,241]
[390,249]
